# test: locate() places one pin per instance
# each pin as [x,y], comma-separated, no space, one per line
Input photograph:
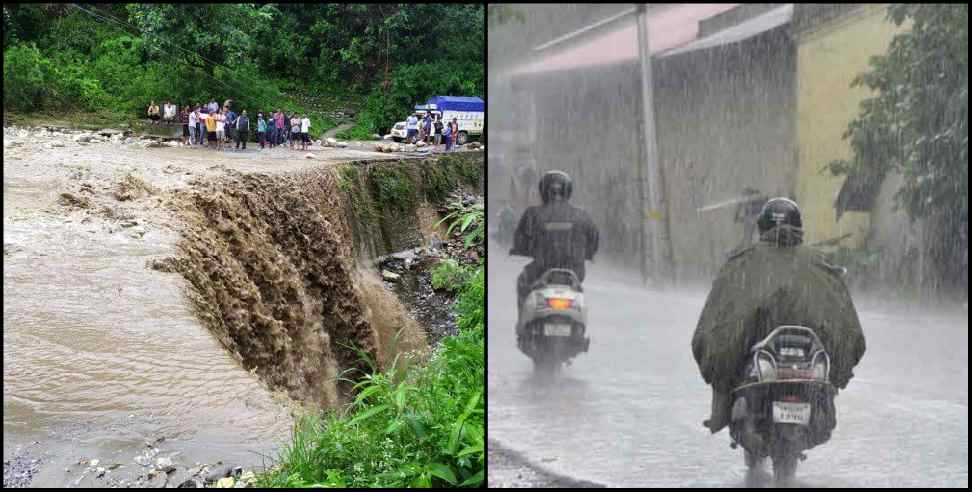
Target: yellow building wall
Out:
[828,59]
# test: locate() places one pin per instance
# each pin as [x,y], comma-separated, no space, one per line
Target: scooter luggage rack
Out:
[764,346]
[544,279]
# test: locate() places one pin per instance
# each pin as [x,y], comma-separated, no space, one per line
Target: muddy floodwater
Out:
[101,354]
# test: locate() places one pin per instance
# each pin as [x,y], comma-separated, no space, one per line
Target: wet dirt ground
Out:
[101,354]
[629,412]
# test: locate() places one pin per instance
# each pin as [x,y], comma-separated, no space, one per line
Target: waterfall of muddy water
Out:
[270,262]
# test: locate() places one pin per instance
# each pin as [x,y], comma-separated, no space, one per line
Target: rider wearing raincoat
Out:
[777,281]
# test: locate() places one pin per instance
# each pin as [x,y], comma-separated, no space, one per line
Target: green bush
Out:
[469,219]
[27,77]
[448,275]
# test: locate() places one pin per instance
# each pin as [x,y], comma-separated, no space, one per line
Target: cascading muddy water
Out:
[270,262]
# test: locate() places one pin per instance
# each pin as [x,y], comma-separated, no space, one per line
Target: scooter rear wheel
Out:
[784,469]
[545,367]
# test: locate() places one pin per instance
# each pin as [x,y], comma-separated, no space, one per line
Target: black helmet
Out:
[555,184]
[779,211]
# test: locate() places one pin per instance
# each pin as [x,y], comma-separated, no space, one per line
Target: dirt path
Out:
[334,131]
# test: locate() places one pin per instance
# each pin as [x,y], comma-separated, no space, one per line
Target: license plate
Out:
[556,330]
[791,413]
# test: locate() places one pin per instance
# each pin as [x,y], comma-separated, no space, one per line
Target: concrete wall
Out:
[829,56]
[723,120]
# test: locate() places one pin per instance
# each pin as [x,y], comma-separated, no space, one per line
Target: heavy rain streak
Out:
[752,267]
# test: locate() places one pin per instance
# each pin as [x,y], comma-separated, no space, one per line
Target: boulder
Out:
[341,144]
[84,137]
[331,141]
[389,276]
[56,143]
[375,136]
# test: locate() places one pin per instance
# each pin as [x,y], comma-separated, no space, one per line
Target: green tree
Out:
[917,125]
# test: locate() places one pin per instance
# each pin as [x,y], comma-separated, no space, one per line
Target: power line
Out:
[140,33]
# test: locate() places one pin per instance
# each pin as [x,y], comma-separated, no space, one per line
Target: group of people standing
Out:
[430,129]
[278,128]
[213,126]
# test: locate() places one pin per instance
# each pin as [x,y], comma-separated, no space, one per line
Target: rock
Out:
[84,137]
[308,156]
[218,473]
[391,277]
[473,145]
[56,143]
[409,148]
[164,464]
[173,144]
[341,144]
[225,483]
[108,132]
[318,143]
[331,141]
[375,136]
[387,137]
[420,144]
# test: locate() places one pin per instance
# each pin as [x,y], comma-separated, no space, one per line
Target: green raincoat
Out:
[774,282]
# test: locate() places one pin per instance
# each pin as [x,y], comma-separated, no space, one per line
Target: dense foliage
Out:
[917,125]
[118,57]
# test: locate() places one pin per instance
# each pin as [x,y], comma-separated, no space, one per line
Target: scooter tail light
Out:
[559,303]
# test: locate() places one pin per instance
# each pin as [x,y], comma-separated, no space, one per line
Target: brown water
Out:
[101,354]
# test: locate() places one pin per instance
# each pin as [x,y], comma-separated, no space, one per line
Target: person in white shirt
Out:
[411,128]
[304,131]
[193,123]
[168,111]
[220,129]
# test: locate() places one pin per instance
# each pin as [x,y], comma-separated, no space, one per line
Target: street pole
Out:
[649,175]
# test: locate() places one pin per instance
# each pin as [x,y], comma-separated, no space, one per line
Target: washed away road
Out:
[629,412]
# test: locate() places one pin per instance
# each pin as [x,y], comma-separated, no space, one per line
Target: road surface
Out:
[629,412]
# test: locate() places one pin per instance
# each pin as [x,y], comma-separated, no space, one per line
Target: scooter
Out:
[552,324]
[784,403]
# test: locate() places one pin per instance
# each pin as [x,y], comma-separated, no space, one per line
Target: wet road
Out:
[629,412]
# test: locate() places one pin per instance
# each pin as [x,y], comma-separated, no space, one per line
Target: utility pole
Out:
[649,175]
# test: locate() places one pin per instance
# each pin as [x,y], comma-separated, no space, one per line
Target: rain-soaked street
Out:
[629,412]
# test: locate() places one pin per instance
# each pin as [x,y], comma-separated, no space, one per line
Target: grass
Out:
[356,132]
[426,429]
[449,275]
[392,187]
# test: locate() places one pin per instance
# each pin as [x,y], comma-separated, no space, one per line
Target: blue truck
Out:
[469,112]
